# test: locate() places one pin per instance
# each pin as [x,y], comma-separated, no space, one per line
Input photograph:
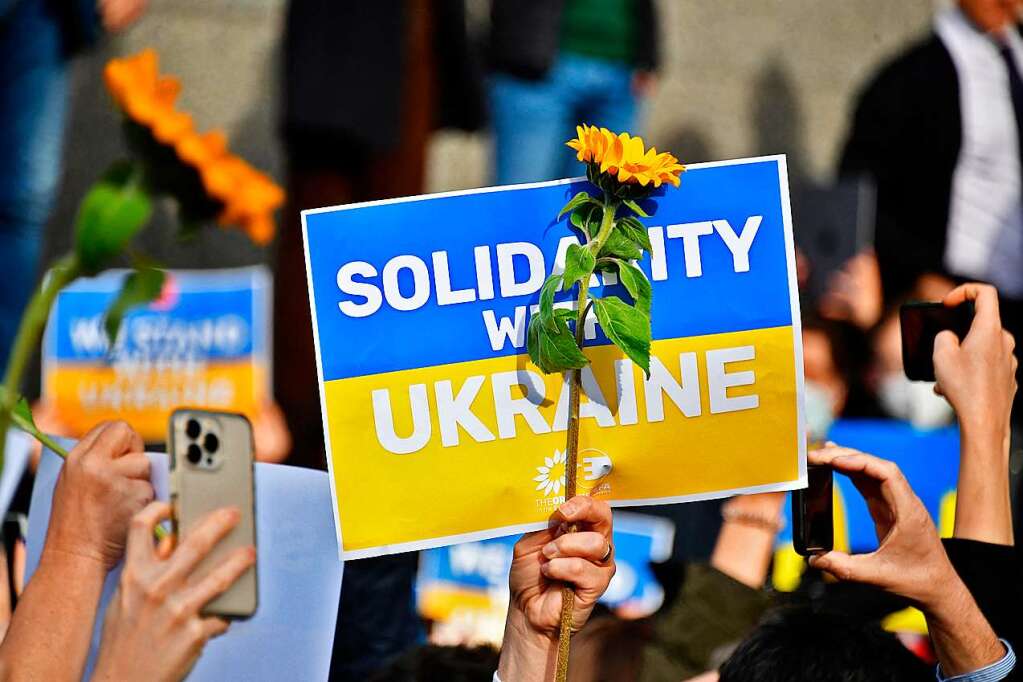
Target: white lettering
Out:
[364,289]
[506,268]
[528,406]
[691,233]
[718,381]
[453,412]
[420,283]
[685,396]
[506,330]
[442,277]
[739,246]
[384,420]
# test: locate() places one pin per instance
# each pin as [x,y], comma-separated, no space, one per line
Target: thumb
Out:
[858,568]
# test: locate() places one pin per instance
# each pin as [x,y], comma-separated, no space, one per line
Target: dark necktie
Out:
[1016,90]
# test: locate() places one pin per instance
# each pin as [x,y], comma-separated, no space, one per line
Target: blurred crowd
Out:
[927,204]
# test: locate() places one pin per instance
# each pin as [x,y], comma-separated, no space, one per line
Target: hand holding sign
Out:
[543,559]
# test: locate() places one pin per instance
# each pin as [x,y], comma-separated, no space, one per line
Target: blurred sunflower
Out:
[196,168]
[624,160]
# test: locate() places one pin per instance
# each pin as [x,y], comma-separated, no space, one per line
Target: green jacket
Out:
[712,613]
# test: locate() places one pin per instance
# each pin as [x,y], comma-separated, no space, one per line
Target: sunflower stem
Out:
[582,307]
[26,341]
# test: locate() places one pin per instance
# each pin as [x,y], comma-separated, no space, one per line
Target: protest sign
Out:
[291,635]
[465,587]
[439,429]
[203,343]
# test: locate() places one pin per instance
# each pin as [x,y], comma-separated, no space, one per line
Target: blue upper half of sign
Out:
[718,300]
[214,315]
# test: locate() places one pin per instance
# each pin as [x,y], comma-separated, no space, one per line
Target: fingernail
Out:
[231,514]
[545,568]
[550,550]
[568,508]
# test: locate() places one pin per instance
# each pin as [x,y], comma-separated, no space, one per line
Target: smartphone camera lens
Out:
[192,429]
[211,443]
[194,454]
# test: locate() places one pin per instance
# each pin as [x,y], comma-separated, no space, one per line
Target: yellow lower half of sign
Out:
[461,451]
[83,395]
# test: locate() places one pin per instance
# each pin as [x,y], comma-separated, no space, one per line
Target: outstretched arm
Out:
[978,378]
[911,562]
[542,561]
[105,480]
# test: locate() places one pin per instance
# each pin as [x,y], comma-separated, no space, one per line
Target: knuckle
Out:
[139,523]
[153,592]
[177,611]
[196,632]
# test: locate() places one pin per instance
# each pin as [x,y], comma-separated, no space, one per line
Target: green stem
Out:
[607,223]
[33,321]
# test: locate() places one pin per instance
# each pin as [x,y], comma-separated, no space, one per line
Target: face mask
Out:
[913,401]
[820,411]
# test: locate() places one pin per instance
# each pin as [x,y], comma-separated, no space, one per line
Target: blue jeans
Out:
[533,119]
[32,111]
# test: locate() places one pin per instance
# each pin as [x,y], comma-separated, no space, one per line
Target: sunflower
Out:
[624,157]
[242,195]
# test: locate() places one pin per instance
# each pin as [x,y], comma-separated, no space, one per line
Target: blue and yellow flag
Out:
[440,430]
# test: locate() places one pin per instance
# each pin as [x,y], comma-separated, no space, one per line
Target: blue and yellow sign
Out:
[440,430]
[203,343]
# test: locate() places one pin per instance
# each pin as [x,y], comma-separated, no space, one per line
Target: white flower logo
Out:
[551,476]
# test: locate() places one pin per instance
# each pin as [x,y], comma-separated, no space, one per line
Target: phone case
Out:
[813,513]
[920,322]
[211,462]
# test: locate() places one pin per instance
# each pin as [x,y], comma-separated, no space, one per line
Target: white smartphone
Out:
[211,466]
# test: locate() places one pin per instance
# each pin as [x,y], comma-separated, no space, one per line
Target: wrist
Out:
[84,564]
[526,654]
[985,437]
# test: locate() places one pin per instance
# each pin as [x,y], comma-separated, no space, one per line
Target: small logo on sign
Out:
[551,476]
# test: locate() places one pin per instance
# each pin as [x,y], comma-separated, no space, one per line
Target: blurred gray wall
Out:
[741,77]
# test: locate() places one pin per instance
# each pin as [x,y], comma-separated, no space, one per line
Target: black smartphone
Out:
[813,529]
[921,322]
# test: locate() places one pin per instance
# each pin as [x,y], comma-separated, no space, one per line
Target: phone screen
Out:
[920,322]
[812,513]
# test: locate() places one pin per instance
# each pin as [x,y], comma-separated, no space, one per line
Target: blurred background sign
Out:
[203,343]
[464,588]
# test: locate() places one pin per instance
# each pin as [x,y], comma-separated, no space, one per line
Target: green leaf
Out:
[564,315]
[547,291]
[636,284]
[620,246]
[21,417]
[635,232]
[555,352]
[140,287]
[576,201]
[627,327]
[22,411]
[533,339]
[579,263]
[110,215]
[586,218]
[636,208]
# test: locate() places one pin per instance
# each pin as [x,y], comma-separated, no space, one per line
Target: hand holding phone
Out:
[920,322]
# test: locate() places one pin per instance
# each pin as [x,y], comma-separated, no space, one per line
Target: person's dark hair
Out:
[797,644]
[432,663]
